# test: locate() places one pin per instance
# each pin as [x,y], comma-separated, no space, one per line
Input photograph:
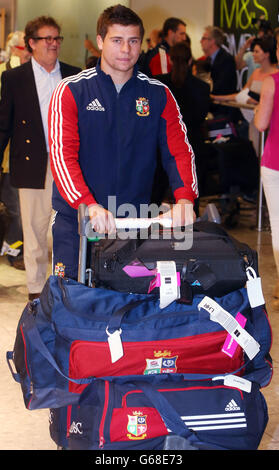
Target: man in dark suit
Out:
[223,67]
[25,95]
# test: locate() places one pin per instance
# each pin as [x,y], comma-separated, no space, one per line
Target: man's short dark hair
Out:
[171,23]
[118,14]
[33,26]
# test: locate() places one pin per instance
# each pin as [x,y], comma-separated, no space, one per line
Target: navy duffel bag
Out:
[68,337]
[169,412]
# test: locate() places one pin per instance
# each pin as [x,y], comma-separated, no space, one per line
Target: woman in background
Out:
[267,116]
[264,54]
[191,93]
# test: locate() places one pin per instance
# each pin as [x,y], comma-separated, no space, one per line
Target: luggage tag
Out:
[230,344]
[231,325]
[231,380]
[137,269]
[254,288]
[10,250]
[115,345]
[169,288]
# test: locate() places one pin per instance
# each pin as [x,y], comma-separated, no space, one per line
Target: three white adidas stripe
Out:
[213,422]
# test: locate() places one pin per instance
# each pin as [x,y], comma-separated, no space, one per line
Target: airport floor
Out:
[21,429]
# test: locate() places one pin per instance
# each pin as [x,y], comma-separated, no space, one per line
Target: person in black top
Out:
[193,98]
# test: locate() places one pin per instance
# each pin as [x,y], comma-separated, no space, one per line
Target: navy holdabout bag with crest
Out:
[74,334]
[169,412]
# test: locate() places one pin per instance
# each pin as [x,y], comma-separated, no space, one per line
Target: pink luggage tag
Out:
[137,269]
[230,344]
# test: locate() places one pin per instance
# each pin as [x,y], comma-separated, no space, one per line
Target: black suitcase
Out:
[215,264]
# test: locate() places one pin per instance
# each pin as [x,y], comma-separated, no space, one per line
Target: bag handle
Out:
[117,316]
[9,358]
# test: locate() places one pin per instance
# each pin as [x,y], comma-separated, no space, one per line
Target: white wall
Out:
[79,17]
[76,17]
[196,13]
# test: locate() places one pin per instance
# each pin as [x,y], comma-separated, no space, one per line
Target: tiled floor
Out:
[21,429]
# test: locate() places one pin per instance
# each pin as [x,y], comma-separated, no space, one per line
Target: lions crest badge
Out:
[162,363]
[59,270]
[137,426]
[142,107]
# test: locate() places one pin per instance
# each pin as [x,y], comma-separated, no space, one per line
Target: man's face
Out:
[179,35]
[46,52]
[120,50]
[206,43]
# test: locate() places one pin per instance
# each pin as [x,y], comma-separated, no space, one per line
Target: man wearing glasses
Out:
[25,95]
[223,67]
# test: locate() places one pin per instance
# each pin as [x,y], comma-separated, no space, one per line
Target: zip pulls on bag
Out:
[102,423]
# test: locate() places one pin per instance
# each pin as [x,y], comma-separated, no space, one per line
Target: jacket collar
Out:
[108,77]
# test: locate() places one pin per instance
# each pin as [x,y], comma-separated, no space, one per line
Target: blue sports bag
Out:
[169,412]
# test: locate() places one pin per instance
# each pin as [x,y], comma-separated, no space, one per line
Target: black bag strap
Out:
[216,229]
[117,316]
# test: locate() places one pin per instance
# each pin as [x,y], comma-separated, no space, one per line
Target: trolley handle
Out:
[121,223]
[141,223]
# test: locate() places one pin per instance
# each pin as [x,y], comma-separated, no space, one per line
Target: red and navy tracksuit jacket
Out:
[156,61]
[104,143]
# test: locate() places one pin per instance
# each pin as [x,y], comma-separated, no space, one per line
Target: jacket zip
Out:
[102,423]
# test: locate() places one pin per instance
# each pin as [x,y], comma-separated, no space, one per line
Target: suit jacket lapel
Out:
[63,71]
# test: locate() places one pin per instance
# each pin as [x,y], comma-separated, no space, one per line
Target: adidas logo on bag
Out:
[95,105]
[232,406]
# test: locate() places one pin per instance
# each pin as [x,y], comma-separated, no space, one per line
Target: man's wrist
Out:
[184,201]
